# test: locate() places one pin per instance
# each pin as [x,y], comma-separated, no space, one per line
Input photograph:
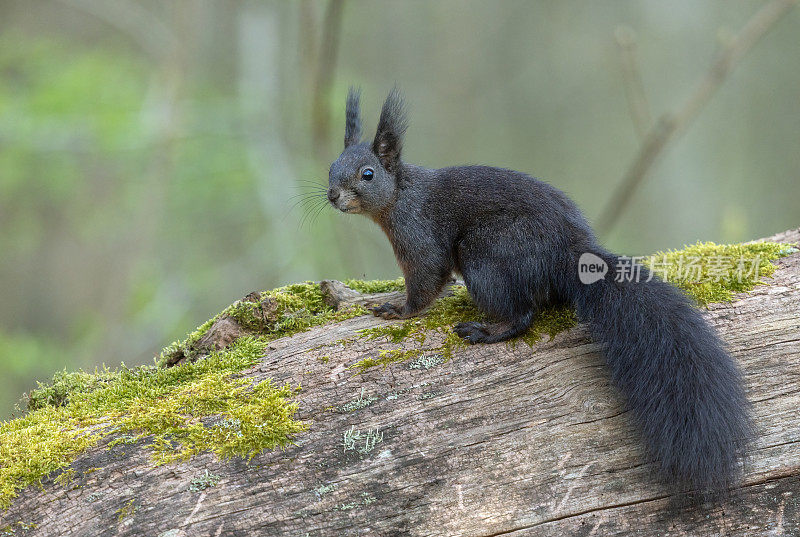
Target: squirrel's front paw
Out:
[387,311]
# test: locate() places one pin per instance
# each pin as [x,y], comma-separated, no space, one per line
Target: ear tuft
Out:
[352,128]
[388,143]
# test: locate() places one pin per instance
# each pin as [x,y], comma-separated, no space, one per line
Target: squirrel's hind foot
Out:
[472,332]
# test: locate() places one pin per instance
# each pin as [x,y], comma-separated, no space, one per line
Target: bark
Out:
[500,440]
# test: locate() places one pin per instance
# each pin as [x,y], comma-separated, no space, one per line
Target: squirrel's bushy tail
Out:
[683,388]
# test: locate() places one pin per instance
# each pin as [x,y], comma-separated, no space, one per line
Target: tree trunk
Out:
[499,440]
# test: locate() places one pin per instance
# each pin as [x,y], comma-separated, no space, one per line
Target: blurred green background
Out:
[150,151]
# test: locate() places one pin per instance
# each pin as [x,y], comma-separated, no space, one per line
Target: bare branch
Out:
[632,79]
[671,125]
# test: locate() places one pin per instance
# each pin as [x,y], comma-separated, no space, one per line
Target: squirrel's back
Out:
[468,195]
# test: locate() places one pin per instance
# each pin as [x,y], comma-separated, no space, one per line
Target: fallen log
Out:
[417,438]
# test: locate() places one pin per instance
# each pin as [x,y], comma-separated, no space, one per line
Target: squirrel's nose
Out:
[333,194]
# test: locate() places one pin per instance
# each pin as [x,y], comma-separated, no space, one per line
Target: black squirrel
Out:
[516,241]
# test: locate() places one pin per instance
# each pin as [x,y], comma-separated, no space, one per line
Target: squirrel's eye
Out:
[367,174]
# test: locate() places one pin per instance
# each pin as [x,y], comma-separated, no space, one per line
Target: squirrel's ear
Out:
[392,125]
[352,127]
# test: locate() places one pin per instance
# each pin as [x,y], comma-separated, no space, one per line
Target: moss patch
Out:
[707,272]
[444,313]
[710,272]
[178,412]
[292,309]
[64,383]
[127,510]
[385,357]
[376,286]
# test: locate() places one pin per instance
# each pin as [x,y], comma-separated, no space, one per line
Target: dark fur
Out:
[516,242]
[388,143]
[352,130]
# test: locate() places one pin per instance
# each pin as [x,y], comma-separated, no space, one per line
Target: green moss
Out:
[126,510]
[123,439]
[273,314]
[57,392]
[178,412]
[65,477]
[186,346]
[385,358]
[438,319]
[710,272]
[300,307]
[444,313]
[549,323]
[376,286]
[395,333]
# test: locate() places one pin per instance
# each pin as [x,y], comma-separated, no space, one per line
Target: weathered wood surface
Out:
[498,441]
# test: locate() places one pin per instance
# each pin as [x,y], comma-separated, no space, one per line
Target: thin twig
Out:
[670,125]
[329,47]
[632,78]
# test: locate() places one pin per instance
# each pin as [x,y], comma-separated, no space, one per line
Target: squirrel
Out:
[516,242]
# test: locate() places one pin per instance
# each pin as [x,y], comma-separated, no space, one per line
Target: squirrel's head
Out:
[364,177]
